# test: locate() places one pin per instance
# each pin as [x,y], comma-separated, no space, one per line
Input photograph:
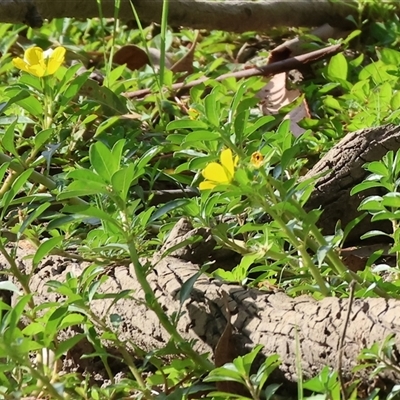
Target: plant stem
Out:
[155,306]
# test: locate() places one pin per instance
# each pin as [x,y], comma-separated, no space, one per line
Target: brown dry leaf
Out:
[274,95]
[354,263]
[296,115]
[355,258]
[185,64]
[226,351]
[133,56]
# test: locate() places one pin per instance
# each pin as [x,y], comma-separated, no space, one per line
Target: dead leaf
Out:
[354,263]
[274,95]
[295,116]
[226,351]
[133,56]
[185,64]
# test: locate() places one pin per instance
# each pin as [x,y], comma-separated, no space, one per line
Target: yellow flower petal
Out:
[257,159]
[55,60]
[216,173]
[40,63]
[37,70]
[20,64]
[34,56]
[228,163]
[205,185]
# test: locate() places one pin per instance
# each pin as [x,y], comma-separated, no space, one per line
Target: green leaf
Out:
[240,122]
[54,321]
[371,203]
[186,124]
[73,88]
[144,160]
[383,215]
[13,317]
[8,139]
[337,68]
[43,137]
[103,126]
[102,160]
[33,328]
[187,287]
[248,359]
[364,186]
[389,56]
[67,75]
[33,216]
[122,180]
[71,319]
[45,248]
[333,103]
[69,193]
[112,103]
[32,81]
[374,233]
[32,105]
[270,390]
[226,373]
[14,190]
[201,135]
[212,107]
[395,101]
[68,344]
[166,208]
[90,211]
[15,94]
[391,200]
[378,167]
[10,286]
[86,175]
[260,122]
[116,152]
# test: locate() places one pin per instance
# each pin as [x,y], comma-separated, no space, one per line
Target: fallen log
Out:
[269,318]
[342,169]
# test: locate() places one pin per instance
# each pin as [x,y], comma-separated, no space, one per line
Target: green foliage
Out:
[385,175]
[240,371]
[80,168]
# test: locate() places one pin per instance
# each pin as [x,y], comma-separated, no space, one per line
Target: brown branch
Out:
[267,70]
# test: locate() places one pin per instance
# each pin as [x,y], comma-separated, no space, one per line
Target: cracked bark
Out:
[228,15]
[343,168]
[271,319]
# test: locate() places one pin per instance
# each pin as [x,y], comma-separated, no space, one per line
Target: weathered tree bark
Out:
[343,169]
[231,15]
[271,319]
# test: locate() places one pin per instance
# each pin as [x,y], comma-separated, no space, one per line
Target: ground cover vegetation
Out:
[82,163]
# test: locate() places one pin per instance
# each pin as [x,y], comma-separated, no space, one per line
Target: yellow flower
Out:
[219,174]
[257,159]
[193,114]
[40,63]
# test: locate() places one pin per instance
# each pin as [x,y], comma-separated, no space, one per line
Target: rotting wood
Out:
[342,169]
[269,318]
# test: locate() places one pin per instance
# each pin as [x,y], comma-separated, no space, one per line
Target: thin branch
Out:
[342,339]
[267,70]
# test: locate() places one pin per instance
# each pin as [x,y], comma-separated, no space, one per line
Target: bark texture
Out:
[231,15]
[270,318]
[343,168]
